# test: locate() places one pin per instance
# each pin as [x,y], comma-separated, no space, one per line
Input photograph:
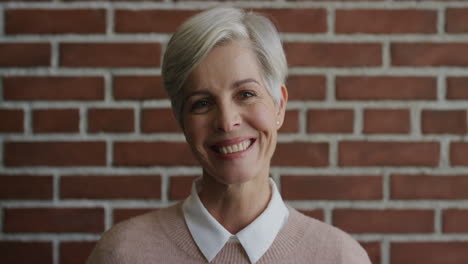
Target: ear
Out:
[281,110]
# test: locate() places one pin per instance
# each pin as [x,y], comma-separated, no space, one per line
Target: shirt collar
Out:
[210,236]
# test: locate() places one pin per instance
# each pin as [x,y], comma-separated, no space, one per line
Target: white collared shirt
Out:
[210,236]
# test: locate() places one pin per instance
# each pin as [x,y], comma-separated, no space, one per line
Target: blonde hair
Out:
[195,38]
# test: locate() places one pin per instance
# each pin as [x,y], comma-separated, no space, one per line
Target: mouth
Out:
[231,148]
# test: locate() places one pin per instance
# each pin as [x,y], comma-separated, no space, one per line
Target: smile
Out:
[233,148]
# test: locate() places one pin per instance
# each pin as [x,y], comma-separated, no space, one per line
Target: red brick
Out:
[384,221]
[378,21]
[114,0]
[429,54]
[374,251]
[53,88]
[322,187]
[389,121]
[110,54]
[124,213]
[430,0]
[138,88]
[457,88]
[459,153]
[386,88]
[159,120]
[72,252]
[291,122]
[454,221]
[40,21]
[54,220]
[25,187]
[141,153]
[293,20]
[55,153]
[111,120]
[330,121]
[317,214]
[25,0]
[24,54]
[456,20]
[364,153]
[56,120]
[444,122]
[12,120]
[180,187]
[306,87]
[111,187]
[26,252]
[333,54]
[166,21]
[429,252]
[301,154]
[415,187]
[163,21]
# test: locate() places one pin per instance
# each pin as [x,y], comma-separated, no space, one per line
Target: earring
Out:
[277,123]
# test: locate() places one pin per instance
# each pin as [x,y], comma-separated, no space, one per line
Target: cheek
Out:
[263,118]
[195,130]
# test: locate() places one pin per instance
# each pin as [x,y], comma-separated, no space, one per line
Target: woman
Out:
[224,71]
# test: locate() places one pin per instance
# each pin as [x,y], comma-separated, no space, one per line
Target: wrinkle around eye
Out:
[200,106]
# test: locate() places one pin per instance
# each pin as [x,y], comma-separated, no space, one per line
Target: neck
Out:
[235,206]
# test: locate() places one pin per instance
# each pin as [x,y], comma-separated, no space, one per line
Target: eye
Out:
[200,106]
[247,94]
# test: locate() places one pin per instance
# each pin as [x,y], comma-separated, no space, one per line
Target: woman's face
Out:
[230,120]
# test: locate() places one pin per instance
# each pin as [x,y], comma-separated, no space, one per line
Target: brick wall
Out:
[375,141]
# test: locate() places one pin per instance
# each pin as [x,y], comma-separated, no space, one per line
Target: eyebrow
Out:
[241,82]
[234,85]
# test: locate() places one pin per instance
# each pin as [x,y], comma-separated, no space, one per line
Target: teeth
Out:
[235,148]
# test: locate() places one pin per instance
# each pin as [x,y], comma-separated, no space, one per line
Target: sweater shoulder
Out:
[327,242]
[131,237]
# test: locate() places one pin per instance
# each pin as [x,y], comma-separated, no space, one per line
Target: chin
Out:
[238,175]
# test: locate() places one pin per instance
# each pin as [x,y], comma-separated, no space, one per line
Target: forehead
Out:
[224,66]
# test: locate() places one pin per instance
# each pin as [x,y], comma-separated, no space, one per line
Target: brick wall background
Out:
[375,141]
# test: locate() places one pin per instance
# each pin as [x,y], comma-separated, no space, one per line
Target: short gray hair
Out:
[195,38]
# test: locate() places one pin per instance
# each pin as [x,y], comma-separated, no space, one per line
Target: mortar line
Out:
[2,21]
[108,98]
[56,188]
[386,187]
[165,185]
[55,251]
[440,88]
[109,152]
[385,251]
[83,120]
[328,215]
[55,54]
[165,4]
[333,155]
[358,128]
[438,222]
[302,121]
[386,55]
[444,153]
[108,217]
[440,20]
[330,19]
[110,18]
[2,163]
[137,116]
[28,121]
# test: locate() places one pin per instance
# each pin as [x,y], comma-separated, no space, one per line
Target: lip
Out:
[229,142]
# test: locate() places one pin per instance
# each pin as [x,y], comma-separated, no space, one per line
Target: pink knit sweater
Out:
[163,237]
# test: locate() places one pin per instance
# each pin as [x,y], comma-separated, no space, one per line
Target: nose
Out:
[227,118]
